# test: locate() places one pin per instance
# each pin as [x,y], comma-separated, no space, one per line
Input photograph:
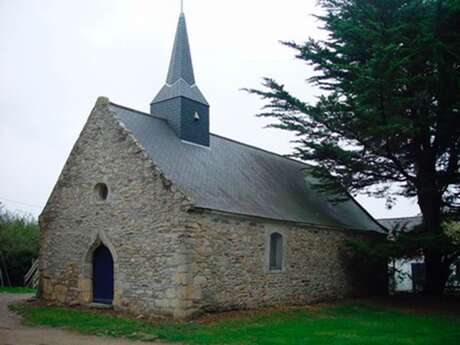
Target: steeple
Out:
[181,59]
[180,101]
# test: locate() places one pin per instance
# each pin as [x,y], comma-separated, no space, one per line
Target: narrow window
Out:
[102,191]
[276,252]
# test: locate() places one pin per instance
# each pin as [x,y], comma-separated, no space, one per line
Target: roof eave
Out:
[200,209]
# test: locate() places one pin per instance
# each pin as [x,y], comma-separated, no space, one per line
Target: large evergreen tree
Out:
[388,122]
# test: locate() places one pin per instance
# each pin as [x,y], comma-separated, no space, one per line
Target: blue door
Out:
[102,276]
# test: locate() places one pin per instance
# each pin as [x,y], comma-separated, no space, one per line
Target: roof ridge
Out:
[217,135]
[261,149]
[138,111]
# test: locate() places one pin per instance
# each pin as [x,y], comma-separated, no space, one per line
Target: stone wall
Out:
[231,266]
[140,222]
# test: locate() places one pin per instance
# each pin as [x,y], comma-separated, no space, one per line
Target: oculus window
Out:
[102,191]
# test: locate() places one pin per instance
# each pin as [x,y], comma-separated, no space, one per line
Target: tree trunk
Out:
[435,277]
[430,204]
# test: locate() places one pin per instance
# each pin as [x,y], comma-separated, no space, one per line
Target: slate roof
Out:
[181,79]
[233,177]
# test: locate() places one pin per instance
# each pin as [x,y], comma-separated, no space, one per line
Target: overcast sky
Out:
[57,57]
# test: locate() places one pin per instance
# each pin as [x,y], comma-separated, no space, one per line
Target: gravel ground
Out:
[12,332]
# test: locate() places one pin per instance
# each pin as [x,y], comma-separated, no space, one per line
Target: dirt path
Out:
[13,333]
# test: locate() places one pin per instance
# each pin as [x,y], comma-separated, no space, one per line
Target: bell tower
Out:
[180,101]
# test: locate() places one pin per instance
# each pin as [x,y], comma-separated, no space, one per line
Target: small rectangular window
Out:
[276,252]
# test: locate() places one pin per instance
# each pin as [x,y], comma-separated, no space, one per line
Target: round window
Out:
[102,191]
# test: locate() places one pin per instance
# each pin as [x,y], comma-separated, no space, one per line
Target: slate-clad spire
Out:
[180,101]
[181,80]
[181,59]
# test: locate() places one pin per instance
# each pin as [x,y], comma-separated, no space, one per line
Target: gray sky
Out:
[57,57]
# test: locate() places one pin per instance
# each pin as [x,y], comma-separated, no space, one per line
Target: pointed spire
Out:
[180,101]
[180,81]
[181,59]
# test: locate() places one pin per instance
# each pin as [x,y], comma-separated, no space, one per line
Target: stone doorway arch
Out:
[86,283]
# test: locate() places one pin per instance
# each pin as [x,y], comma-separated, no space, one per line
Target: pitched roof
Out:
[233,177]
[181,79]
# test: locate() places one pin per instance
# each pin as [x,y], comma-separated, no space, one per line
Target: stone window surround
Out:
[86,275]
[268,233]
[97,199]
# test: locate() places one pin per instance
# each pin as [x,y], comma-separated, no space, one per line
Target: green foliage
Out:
[388,122]
[351,324]
[404,245]
[17,290]
[391,74]
[19,244]
[452,230]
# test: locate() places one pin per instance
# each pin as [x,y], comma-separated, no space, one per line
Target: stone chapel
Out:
[155,215]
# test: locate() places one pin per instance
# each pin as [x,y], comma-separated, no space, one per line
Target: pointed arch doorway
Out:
[103,281]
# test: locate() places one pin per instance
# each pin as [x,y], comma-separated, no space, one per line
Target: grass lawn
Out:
[348,324]
[16,289]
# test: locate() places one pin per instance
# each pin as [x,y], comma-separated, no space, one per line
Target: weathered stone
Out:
[182,278]
[170,293]
[61,293]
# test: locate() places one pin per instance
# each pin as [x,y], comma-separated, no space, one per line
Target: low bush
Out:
[19,244]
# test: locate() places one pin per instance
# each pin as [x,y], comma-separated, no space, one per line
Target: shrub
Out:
[19,244]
